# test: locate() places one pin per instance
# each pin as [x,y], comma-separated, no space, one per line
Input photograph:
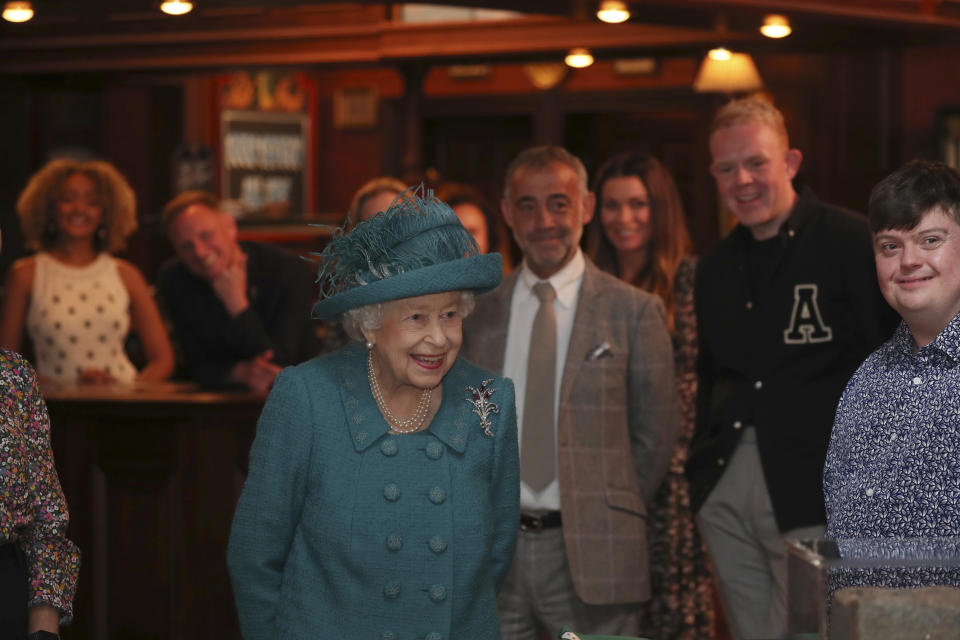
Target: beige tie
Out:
[538,455]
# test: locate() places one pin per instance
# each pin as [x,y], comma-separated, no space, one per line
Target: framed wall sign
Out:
[267,145]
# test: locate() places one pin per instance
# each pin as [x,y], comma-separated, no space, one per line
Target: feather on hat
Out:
[416,247]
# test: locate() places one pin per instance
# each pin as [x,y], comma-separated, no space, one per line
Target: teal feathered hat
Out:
[416,247]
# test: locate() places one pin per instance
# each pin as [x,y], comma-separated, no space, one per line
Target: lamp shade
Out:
[736,74]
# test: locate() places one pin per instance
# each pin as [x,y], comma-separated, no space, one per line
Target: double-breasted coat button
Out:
[438,593]
[433,635]
[437,544]
[391,590]
[721,462]
[391,492]
[389,447]
[394,542]
[434,450]
[737,424]
[437,495]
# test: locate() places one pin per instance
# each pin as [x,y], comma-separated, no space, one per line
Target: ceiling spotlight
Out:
[579,58]
[613,12]
[719,54]
[775,26]
[176,7]
[17,11]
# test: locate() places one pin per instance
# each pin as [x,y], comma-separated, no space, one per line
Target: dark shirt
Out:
[777,358]
[281,291]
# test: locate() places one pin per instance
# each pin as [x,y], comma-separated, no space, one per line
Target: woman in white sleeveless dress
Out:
[76,300]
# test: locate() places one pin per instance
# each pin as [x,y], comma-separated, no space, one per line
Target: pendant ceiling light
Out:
[579,58]
[727,73]
[17,11]
[176,7]
[613,11]
[775,26]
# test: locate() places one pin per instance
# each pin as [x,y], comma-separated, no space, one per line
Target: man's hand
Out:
[257,373]
[231,285]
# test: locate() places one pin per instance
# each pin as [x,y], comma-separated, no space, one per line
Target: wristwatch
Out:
[43,635]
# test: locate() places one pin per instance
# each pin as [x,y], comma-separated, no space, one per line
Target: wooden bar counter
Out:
[152,475]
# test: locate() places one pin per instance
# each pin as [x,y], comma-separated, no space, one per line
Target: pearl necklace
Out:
[411,424]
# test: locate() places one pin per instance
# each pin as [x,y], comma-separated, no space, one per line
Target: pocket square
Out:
[602,350]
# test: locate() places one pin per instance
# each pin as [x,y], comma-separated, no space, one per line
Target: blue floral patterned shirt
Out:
[893,466]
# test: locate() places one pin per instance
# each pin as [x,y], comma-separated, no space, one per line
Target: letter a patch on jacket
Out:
[806,323]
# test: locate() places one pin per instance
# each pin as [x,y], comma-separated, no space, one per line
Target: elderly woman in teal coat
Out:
[383,496]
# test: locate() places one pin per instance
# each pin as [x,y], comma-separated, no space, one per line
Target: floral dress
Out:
[681,600]
[33,511]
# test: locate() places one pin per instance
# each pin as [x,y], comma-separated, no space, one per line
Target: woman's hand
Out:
[95,376]
[43,617]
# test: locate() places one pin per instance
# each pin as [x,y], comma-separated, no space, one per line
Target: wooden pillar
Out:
[411,164]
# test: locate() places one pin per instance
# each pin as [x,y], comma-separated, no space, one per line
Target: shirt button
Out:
[391,590]
[749,305]
[737,424]
[869,493]
[437,544]
[438,593]
[394,542]
[437,495]
[758,385]
[721,462]
[391,492]
[389,447]
[434,450]
[917,380]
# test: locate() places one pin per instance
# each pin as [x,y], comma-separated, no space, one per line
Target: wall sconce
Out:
[613,11]
[736,73]
[775,26]
[17,11]
[176,7]
[579,58]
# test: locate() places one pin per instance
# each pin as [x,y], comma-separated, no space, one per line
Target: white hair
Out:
[370,317]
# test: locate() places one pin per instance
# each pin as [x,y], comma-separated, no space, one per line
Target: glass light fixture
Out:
[775,26]
[735,74]
[613,11]
[719,54]
[579,58]
[17,11]
[176,7]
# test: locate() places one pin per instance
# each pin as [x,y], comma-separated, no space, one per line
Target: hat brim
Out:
[477,273]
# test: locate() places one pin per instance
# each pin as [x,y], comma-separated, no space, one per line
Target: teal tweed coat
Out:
[346,531]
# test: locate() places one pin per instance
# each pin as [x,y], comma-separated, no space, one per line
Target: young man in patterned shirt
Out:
[892,475]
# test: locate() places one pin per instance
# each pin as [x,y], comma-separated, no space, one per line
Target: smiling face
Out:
[546,212]
[206,240]
[753,168]
[418,340]
[79,211]
[919,273]
[625,213]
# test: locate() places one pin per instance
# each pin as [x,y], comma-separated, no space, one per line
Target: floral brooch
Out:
[481,404]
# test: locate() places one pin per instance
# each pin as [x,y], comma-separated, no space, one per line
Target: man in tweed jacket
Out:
[581,556]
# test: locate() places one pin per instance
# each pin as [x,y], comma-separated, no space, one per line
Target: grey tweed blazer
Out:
[616,429]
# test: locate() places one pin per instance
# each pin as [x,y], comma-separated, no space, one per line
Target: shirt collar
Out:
[947,341]
[565,282]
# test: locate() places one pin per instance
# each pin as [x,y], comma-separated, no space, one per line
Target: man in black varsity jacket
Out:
[787,307]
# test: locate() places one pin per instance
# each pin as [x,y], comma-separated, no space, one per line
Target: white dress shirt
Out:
[523,308]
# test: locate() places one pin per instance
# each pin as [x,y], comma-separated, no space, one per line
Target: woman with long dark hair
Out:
[638,233]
